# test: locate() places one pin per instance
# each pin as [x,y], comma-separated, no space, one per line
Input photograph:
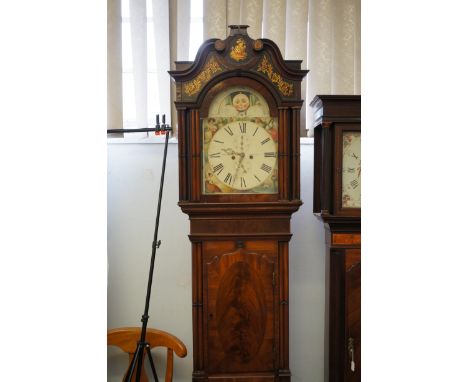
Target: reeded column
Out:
[295,155]
[283,158]
[195,155]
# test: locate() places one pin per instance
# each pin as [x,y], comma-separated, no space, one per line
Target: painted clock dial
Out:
[351,170]
[240,144]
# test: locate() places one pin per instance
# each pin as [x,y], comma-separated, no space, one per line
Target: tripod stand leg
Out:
[138,357]
[150,357]
[138,354]
[140,361]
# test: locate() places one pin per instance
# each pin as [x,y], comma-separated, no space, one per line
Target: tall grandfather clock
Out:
[337,201]
[238,108]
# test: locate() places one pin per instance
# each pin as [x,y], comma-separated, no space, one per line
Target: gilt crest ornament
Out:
[239,51]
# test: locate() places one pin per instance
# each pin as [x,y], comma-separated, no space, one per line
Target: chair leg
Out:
[169,364]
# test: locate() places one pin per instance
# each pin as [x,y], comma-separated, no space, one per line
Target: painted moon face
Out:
[241,102]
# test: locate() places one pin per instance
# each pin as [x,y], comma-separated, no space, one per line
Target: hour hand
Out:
[232,152]
[228,151]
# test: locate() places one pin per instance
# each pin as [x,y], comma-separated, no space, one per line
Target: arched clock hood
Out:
[257,63]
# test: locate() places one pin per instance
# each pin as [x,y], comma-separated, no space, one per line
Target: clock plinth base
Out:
[284,375]
[199,376]
[281,376]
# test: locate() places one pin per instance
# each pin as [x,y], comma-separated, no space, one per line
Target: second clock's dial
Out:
[242,155]
[351,179]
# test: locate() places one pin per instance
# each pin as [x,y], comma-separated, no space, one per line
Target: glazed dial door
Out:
[351,170]
[240,146]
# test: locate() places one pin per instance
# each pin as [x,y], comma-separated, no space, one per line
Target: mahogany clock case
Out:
[333,116]
[240,240]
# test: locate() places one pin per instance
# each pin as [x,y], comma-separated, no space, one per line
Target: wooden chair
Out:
[126,339]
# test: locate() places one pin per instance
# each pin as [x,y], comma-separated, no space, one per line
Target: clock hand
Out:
[243,168]
[231,152]
[228,151]
[242,156]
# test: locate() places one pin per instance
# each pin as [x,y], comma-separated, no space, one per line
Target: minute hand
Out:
[242,156]
[231,152]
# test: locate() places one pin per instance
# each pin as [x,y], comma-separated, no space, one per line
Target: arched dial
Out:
[242,155]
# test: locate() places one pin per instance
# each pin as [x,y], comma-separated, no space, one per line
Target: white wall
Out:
[134,172]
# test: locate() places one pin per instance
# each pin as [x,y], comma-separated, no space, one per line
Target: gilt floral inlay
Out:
[211,67]
[286,88]
[239,51]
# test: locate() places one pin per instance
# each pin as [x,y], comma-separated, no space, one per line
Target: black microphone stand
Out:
[142,345]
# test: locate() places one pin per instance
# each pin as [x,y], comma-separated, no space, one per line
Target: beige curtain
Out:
[324,34]
[180,42]
[274,22]
[114,65]
[138,88]
[138,32]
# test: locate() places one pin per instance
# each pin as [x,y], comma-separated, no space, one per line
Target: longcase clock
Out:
[337,202]
[238,108]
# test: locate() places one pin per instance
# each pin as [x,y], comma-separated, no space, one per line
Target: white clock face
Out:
[351,170]
[240,144]
[242,155]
